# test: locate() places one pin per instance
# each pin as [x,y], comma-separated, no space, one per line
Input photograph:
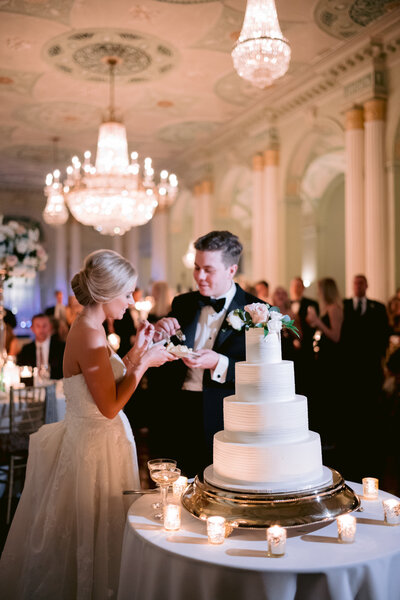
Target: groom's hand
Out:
[165,327]
[208,359]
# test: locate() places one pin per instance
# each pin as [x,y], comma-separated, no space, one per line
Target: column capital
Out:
[258,162]
[206,187]
[375,109]
[197,189]
[355,118]
[271,157]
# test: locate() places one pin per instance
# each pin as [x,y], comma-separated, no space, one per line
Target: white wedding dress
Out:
[66,536]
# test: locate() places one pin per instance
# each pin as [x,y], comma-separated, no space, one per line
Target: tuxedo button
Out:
[218,376]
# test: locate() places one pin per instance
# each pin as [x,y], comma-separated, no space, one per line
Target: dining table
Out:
[177,565]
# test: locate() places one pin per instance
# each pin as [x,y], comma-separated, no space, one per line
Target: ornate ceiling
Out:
[175,82]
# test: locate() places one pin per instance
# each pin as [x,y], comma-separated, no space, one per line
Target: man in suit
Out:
[58,311]
[304,359]
[192,390]
[45,351]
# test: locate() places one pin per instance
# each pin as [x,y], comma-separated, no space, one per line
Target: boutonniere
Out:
[261,316]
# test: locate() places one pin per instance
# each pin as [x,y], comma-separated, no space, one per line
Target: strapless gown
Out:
[66,536]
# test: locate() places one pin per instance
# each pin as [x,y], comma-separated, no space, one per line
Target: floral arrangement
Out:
[262,316]
[21,255]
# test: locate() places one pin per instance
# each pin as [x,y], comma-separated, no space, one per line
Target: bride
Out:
[66,536]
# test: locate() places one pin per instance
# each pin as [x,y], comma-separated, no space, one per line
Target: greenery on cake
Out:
[259,315]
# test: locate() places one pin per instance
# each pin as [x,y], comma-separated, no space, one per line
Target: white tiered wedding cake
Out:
[266,444]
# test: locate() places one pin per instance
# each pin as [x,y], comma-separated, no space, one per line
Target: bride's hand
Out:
[144,336]
[157,356]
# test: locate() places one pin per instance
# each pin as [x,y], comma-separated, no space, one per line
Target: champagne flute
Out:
[160,463]
[164,478]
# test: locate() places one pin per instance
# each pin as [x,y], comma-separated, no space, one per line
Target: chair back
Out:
[27,409]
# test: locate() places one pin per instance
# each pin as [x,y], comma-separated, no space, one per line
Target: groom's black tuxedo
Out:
[27,356]
[167,381]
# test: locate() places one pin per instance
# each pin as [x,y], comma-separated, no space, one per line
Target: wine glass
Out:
[160,463]
[164,478]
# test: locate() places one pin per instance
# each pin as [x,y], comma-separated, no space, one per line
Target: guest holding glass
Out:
[66,536]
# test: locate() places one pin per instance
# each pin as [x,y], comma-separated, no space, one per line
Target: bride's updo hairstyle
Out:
[105,275]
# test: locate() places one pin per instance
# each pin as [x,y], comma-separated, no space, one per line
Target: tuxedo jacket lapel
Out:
[226,330]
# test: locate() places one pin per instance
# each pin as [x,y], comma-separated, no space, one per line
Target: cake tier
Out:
[281,462]
[261,348]
[265,422]
[266,383]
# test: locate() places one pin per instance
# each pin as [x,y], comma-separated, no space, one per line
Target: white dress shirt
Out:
[207,330]
[45,346]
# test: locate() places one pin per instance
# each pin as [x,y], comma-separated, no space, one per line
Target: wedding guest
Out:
[324,407]
[58,311]
[66,536]
[191,391]
[290,343]
[46,351]
[262,290]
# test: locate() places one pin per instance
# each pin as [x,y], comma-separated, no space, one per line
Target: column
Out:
[257,233]
[159,245]
[75,250]
[202,209]
[271,218]
[354,197]
[117,243]
[60,260]
[132,246]
[393,182]
[376,210]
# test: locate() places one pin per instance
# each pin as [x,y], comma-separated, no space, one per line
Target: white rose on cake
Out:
[258,312]
[275,321]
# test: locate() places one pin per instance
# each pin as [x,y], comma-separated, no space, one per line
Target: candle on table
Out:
[172,517]
[10,374]
[346,525]
[391,509]
[276,538]
[216,530]
[370,488]
[26,375]
[179,486]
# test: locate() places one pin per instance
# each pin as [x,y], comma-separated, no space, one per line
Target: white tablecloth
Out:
[160,565]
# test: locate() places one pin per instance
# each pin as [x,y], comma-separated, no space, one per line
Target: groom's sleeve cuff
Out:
[219,373]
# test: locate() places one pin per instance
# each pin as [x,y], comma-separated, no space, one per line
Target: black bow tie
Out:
[217,305]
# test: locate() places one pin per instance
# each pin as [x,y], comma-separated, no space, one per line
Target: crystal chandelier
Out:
[261,53]
[55,212]
[113,195]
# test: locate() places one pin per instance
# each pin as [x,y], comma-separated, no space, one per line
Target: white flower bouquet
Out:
[21,255]
[261,316]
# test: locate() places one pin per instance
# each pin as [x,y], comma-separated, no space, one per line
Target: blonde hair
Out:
[329,291]
[105,275]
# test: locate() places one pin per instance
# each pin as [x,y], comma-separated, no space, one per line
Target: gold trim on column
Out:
[375,109]
[197,189]
[355,118]
[206,187]
[271,157]
[258,162]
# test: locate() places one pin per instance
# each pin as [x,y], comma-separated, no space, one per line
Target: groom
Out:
[192,390]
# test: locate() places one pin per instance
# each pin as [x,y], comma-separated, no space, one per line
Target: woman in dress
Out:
[66,536]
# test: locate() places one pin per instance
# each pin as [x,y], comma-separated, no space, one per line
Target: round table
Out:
[161,565]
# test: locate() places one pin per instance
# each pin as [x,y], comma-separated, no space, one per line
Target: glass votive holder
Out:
[179,486]
[370,488]
[216,528]
[172,517]
[391,508]
[26,375]
[276,538]
[346,525]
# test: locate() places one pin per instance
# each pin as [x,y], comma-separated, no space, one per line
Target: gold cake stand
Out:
[260,510]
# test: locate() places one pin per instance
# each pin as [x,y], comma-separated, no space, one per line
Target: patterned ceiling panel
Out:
[56,117]
[345,18]
[223,35]
[18,82]
[55,10]
[6,132]
[83,53]
[235,90]
[39,154]
[159,103]
[187,132]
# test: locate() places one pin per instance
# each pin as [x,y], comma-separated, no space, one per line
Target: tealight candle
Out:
[10,374]
[370,488]
[26,375]
[172,517]
[216,530]
[391,509]
[276,538]
[179,486]
[346,525]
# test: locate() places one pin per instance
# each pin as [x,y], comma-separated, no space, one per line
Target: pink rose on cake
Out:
[261,316]
[258,312]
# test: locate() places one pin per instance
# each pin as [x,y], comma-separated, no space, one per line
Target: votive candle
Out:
[276,538]
[179,486]
[216,530]
[172,517]
[346,525]
[370,488]
[391,509]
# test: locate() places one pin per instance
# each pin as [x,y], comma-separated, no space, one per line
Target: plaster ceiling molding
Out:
[187,132]
[223,34]
[186,1]
[167,104]
[319,175]
[236,90]
[236,196]
[345,18]
[43,155]
[82,54]
[18,44]
[17,82]
[57,117]
[55,10]
[6,133]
